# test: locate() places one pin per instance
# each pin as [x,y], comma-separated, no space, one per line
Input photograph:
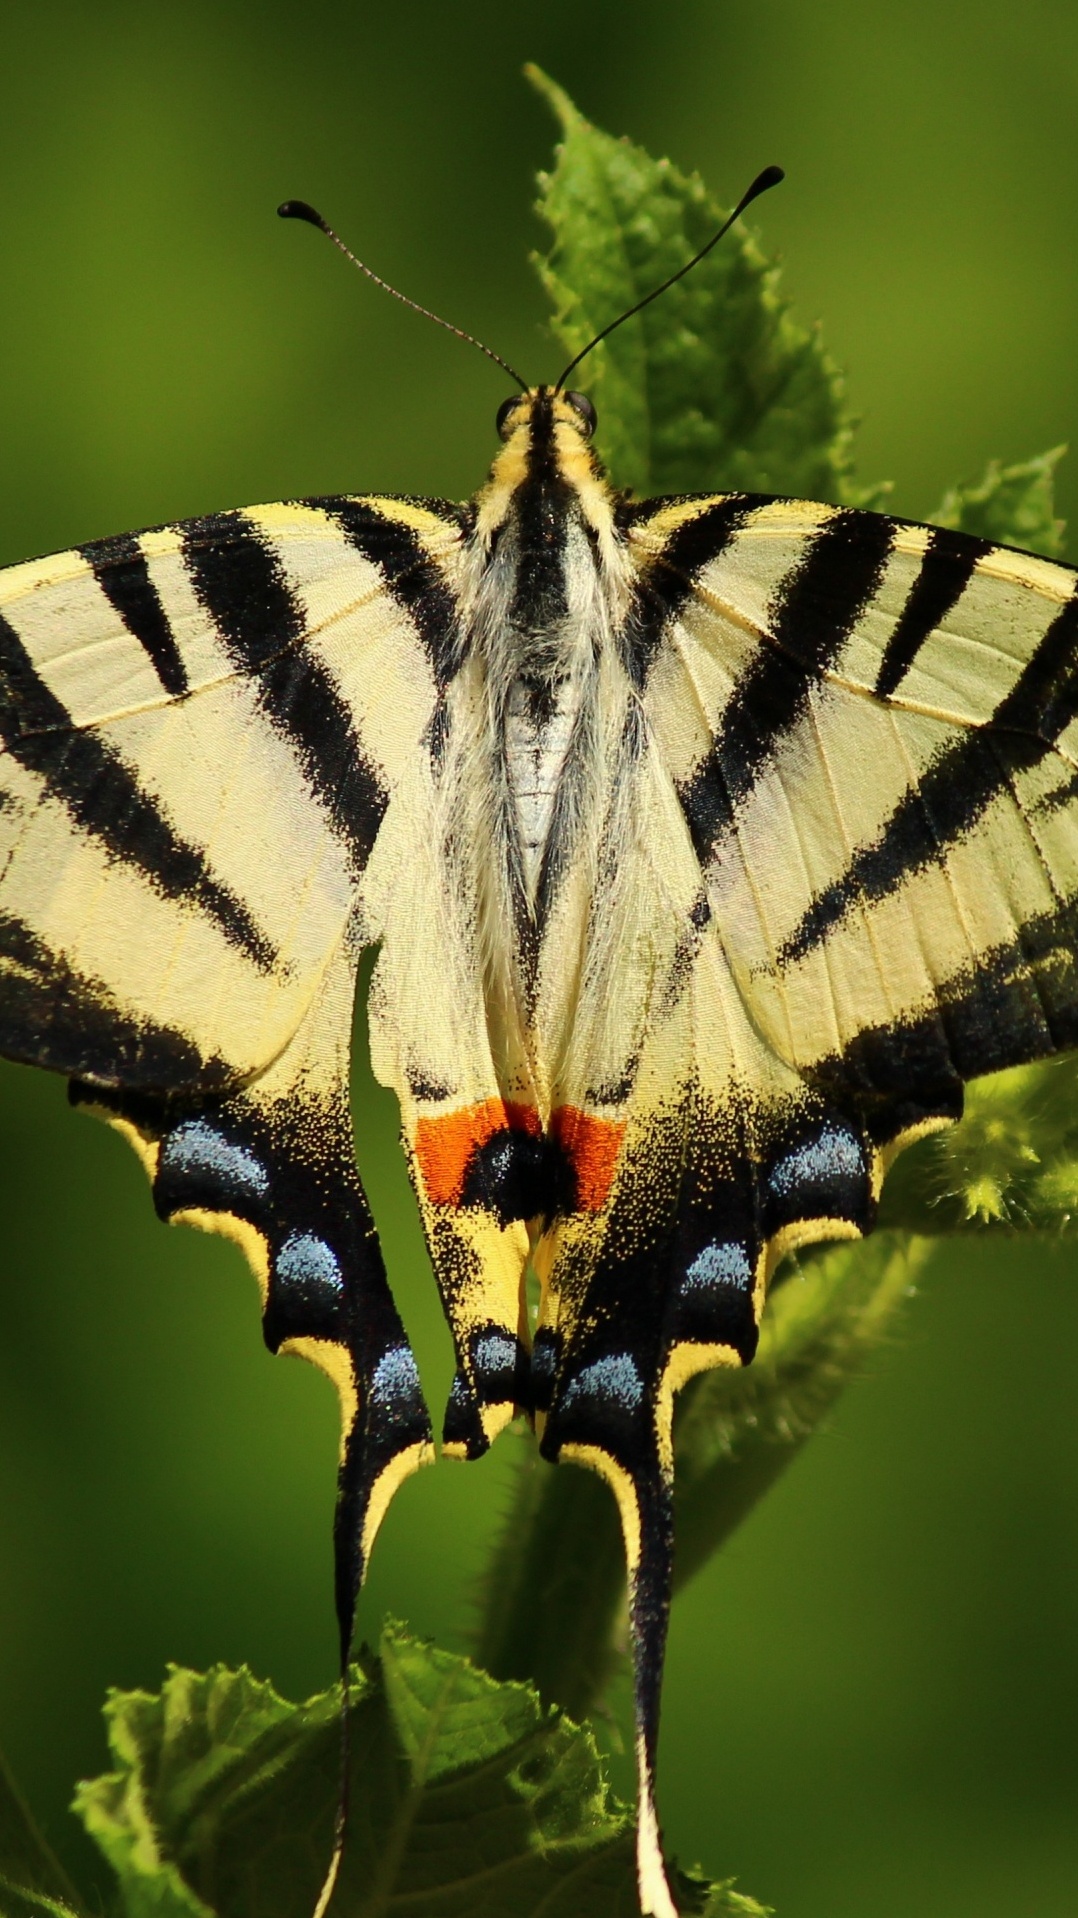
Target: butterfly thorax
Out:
[548,581]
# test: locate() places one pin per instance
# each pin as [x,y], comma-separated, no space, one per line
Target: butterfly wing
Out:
[203,728]
[847,884]
[884,811]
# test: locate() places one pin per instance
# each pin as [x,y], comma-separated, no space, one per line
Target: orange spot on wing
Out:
[593,1146]
[444,1145]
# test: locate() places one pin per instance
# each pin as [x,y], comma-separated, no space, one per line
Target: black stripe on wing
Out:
[948,565]
[1012,1004]
[959,785]
[413,577]
[812,614]
[120,569]
[670,577]
[52,1015]
[240,581]
[105,799]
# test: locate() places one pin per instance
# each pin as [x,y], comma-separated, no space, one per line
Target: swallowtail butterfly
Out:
[709,845]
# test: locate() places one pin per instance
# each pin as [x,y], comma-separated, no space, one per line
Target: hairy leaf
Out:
[1011,504]
[1011,1165]
[714,387]
[469,1799]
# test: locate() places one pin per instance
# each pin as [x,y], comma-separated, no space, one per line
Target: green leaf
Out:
[32,1881]
[1011,504]
[1011,1165]
[467,1797]
[714,387]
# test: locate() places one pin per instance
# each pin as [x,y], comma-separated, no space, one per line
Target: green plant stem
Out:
[25,1857]
[555,1585]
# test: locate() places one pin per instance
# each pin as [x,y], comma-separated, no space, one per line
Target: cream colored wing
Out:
[203,727]
[871,729]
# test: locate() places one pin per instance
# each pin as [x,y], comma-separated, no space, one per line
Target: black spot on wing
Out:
[812,614]
[413,577]
[669,579]
[516,1175]
[958,786]
[120,569]
[948,565]
[240,581]
[104,798]
[55,1016]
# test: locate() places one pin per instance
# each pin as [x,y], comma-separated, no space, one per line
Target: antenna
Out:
[299,210]
[770,177]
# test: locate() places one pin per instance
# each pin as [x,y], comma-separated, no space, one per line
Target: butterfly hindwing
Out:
[204,727]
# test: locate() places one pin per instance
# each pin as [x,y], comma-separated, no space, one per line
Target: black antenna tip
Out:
[770,177]
[299,210]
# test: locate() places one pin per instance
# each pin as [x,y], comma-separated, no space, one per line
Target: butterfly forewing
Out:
[897,877]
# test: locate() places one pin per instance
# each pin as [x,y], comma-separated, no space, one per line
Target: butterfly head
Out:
[546,452]
[520,410]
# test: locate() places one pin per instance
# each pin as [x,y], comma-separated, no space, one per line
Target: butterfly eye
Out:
[504,414]
[582,405]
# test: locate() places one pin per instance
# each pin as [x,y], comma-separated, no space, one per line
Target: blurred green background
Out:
[872,1701]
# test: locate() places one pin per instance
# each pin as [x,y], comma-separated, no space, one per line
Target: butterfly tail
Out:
[389,1438]
[649,1613]
[643,1487]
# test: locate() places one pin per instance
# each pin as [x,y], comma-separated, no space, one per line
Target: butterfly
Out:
[709,845]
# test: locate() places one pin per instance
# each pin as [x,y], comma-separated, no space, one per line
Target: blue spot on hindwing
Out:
[310,1269]
[614,1379]
[196,1149]
[545,1353]
[832,1159]
[495,1352]
[395,1378]
[719,1264]
[714,1300]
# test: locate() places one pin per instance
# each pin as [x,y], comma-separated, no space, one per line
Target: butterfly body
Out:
[708,844]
